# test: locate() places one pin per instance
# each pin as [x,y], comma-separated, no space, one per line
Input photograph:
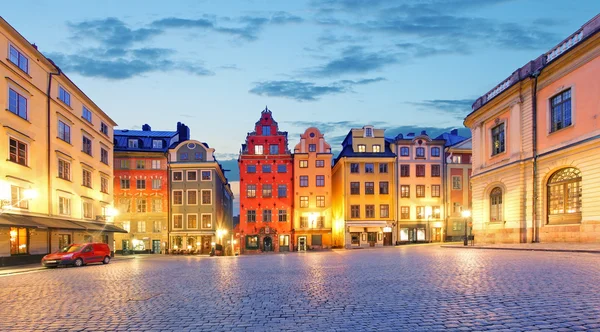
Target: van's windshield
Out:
[72,248]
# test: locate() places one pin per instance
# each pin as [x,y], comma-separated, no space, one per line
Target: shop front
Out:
[191,243]
[365,234]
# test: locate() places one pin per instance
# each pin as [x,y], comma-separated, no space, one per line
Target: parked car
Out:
[79,255]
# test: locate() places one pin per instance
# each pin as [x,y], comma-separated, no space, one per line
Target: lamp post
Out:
[428,229]
[466,214]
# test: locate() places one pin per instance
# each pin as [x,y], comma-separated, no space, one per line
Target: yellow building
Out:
[312,192]
[363,204]
[56,172]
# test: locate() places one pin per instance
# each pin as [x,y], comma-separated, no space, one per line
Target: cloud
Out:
[353,60]
[458,108]
[306,91]
[333,126]
[175,22]
[111,32]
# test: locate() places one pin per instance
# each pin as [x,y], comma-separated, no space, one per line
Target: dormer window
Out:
[157,144]
[368,132]
[362,148]
[132,143]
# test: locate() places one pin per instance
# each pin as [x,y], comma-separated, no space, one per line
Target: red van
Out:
[79,255]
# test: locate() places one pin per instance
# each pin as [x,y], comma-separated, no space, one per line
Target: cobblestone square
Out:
[422,288]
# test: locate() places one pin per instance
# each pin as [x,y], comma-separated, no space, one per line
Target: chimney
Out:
[146,127]
[183,131]
[400,136]
[411,134]
[34,46]
[454,132]
[423,132]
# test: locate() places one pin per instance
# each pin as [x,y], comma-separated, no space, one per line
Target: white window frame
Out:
[20,55]
[154,205]
[156,164]
[141,229]
[91,145]
[157,146]
[68,206]
[187,175]
[201,220]
[69,176]
[17,140]
[103,128]
[159,184]
[376,148]
[91,210]
[68,140]
[187,197]
[183,199]
[361,148]
[259,149]
[202,194]
[107,156]
[173,220]
[104,179]
[83,178]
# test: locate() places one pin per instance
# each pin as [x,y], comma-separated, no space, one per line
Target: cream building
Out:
[56,176]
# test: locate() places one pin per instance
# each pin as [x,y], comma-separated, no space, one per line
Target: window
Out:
[303,201]
[420,212]
[125,184]
[303,163]
[198,155]
[405,212]
[104,155]
[354,211]
[132,143]
[435,152]
[206,220]
[86,145]
[355,238]
[420,152]
[140,164]
[304,181]
[266,130]
[251,215]
[456,182]
[64,96]
[184,156]
[420,190]
[320,201]
[282,190]
[251,242]
[436,212]
[369,188]
[87,209]
[384,211]
[362,148]
[496,205]
[405,191]
[140,184]
[127,226]
[206,197]
[86,177]
[404,151]
[369,211]
[320,163]
[206,175]
[192,220]
[354,168]
[404,171]
[19,241]
[274,149]
[141,205]
[267,190]
[258,149]
[376,148]
[64,206]
[420,170]
[178,176]
[104,128]
[435,190]
[124,164]
[560,116]
[456,207]
[18,58]
[64,131]
[251,190]
[192,197]
[155,164]
[64,240]
[156,183]
[191,175]
[312,148]
[64,169]
[86,114]
[320,180]
[267,216]
[303,222]
[141,226]
[369,168]
[157,207]
[368,132]
[17,198]
[457,226]
[435,171]
[281,169]
[383,168]
[564,195]
[384,188]
[250,169]
[178,221]
[283,215]
[354,188]
[456,159]
[157,144]
[498,139]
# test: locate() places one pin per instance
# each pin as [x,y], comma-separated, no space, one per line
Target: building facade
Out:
[55,179]
[141,187]
[535,155]
[420,188]
[312,192]
[457,188]
[363,190]
[266,188]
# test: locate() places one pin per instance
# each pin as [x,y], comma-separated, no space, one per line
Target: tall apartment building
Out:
[55,177]
[363,180]
[141,185]
[312,192]
[420,188]
[535,148]
[266,188]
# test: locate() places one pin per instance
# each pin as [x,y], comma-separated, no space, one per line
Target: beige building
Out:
[535,148]
[312,192]
[56,176]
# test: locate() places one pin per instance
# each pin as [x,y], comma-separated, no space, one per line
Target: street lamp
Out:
[428,229]
[134,243]
[466,214]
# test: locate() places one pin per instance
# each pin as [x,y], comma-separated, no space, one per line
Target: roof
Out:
[348,152]
[463,145]
[145,138]
[451,139]
[142,133]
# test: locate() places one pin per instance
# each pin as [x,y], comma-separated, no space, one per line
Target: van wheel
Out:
[106,260]
[78,262]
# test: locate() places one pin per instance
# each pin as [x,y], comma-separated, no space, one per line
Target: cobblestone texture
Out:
[412,288]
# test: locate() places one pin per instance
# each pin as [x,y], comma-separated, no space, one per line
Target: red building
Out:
[266,188]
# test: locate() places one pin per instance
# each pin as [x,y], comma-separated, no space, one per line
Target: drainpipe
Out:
[49,154]
[535,236]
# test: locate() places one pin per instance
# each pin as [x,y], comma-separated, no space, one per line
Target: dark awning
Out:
[100,227]
[18,220]
[15,220]
[56,223]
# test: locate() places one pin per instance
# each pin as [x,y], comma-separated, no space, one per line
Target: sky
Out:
[404,66]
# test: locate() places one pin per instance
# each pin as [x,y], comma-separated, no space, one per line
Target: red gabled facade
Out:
[266,188]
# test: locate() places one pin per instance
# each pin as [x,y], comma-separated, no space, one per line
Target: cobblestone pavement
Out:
[424,288]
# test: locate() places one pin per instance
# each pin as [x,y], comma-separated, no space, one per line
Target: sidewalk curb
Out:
[586,251]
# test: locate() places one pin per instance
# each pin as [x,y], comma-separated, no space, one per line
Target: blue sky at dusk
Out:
[337,64]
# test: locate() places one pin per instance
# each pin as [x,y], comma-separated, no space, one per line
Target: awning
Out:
[18,220]
[192,233]
[14,220]
[56,223]
[99,227]
[367,223]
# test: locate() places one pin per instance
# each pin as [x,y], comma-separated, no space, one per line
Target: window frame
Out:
[104,156]
[499,131]
[320,181]
[20,55]
[173,195]
[404,193]
[187,197]
[20,98]
[137,184]
[173,220]
[404,151]
[354,188]
[64,170]
[64,95]
[304,202]
[86,114]
[90,150]
[259,150]
[190,172]
[435,151]
[303,181]
[187,220]
[319,163]
[173,173]
[66,134]
[457,185]
[420,152]
[554,126]
[496,213]
[202,191]
[202,221]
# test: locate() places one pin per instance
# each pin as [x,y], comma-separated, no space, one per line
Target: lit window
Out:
[177,197]
[496,205]
[258,149]
[303,201]
[564,195]
[17,198]
[177,221]
[86,178]
[64,169]
[303,163]
[206,220]
[362,148]
[377,148]
[498,139]
[19,240]
[64,206]
[141,205]
[192,197]
[206,197]
[192,221]
[320,201]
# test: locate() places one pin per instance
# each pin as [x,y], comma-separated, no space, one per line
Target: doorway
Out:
[268,244]
[124,247]
[436,234]
[372,238]
[387,239]
[156,246]
[205,245]
[302,243]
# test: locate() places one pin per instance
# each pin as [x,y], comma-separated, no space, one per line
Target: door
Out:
[284,243]
[302,243]
[268,244]
[87,254]
[436,234]
[387,239]
[156,246]
[63,240]
[125,246]
[372,238]
[206,244]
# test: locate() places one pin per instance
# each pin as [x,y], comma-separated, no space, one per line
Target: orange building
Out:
[457,188]
[535,148]
[312,192]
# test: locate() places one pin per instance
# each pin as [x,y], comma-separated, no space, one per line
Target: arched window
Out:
[564,196]
[496,205]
